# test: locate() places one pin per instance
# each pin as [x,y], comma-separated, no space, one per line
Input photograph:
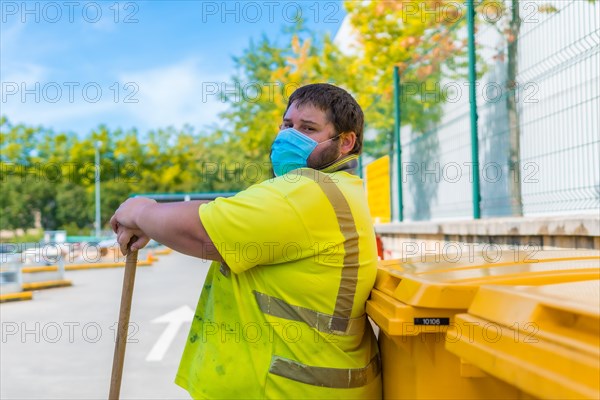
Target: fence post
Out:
[398,147]
[473,107]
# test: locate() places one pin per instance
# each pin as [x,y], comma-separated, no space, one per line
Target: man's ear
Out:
[347,139]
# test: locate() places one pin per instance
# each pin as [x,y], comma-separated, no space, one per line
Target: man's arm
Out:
[176,225]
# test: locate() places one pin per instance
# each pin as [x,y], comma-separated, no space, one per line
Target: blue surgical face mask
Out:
[291,150]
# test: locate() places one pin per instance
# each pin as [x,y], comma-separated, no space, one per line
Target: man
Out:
[282,311]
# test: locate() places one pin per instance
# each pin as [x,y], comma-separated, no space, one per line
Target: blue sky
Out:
[72,65]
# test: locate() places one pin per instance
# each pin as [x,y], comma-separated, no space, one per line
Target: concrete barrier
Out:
[411,238]
[11,282]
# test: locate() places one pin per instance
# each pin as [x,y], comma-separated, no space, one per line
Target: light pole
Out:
[98,145]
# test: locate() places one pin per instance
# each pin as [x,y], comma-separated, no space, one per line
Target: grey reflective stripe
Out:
[349,280]
[326,377]
[320,321]
[225,270]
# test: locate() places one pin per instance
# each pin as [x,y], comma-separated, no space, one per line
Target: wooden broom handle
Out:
[124,313]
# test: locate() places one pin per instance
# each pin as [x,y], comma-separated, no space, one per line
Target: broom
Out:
[126,295]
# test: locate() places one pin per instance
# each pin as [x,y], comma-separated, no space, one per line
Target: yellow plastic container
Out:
[543,340]
[415,305]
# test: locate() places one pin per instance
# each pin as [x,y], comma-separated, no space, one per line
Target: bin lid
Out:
[445,285]
[545,339]
[567,313]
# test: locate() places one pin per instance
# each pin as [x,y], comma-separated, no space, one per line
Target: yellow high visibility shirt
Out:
[284,316]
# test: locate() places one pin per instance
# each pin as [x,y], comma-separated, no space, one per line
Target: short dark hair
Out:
[339,106]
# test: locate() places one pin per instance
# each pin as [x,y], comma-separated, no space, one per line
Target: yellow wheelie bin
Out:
[543,340]
[414,304]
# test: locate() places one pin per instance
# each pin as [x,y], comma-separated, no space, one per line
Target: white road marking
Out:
[174,319]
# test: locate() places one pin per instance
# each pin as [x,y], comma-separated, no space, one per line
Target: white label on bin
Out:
[432,321]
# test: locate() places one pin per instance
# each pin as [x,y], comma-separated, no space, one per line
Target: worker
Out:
[282,310]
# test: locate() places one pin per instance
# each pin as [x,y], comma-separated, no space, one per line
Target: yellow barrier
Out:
[73,267]
[46,284]
[32,270]
[15,296]
[163,251]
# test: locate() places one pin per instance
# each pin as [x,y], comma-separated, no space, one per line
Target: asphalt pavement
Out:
[60,345]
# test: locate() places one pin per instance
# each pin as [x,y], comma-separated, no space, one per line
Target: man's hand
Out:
[124,238]
[125,223]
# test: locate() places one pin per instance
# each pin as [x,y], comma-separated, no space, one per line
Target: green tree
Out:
[73,206]
[14,204]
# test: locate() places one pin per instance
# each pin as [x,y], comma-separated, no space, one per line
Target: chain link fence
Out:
[537,130]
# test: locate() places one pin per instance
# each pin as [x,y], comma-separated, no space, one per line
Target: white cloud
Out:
[10,36]
[172,95]
[169,94]
[30,96]
[175,94]
[28,73]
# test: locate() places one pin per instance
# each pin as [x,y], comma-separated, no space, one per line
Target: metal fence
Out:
[533,134]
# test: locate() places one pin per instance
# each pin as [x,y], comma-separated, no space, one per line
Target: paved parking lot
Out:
[60,345]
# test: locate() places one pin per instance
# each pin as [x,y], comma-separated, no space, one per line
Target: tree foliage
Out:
[53,173]
[421,38]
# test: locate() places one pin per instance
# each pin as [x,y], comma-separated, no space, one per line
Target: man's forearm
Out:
[178,226]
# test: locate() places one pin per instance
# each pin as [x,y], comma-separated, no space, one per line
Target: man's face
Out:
[313,123]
